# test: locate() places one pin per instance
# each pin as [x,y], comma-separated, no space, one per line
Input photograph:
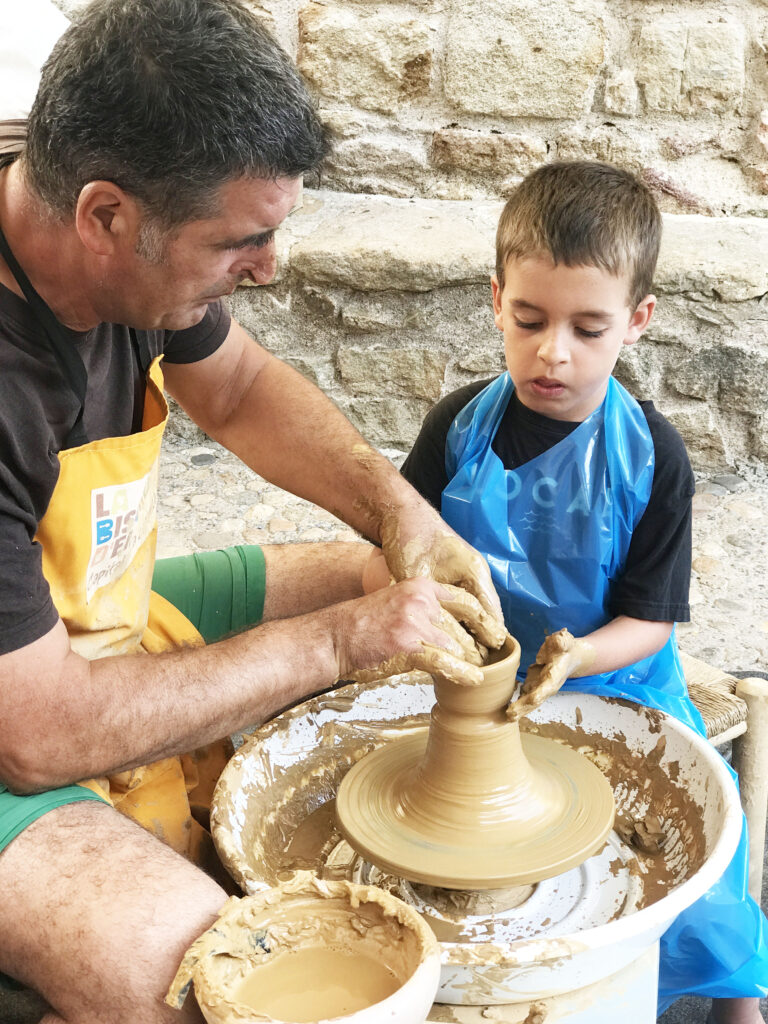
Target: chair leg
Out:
[750,759]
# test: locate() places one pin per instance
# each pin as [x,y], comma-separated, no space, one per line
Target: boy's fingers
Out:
[468,609]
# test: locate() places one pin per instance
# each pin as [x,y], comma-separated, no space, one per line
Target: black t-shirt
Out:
[37,410]
[656,578]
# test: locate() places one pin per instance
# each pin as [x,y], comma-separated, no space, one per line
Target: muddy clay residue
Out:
[306,950]
[274,815]
[658,819]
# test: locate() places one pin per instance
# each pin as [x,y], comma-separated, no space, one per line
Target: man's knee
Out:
[98,914]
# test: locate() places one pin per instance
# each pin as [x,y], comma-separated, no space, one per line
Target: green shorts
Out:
[221,593]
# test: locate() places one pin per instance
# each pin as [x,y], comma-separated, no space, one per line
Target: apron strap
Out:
[70,363]
[140,343]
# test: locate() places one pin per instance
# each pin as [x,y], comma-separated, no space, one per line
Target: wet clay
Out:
[304,951]
[315,983]
[472,805]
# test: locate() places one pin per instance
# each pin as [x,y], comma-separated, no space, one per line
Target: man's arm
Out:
[65,718]
[284,428]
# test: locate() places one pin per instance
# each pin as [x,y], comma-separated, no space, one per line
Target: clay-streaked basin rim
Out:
[370,816]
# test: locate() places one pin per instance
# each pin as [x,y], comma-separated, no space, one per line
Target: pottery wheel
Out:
[472,805]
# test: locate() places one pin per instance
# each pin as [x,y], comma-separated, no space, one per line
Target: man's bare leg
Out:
[96,915]
[735,1011]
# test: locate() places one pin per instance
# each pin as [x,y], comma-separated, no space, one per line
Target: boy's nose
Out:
[553,348]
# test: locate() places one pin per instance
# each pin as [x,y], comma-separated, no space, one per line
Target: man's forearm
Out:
[65,718]
[327,462]
[289,432]
[302,578]
[100,717]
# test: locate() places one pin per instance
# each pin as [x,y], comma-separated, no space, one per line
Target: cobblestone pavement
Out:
[210,500]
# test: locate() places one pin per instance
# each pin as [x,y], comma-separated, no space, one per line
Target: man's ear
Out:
[105,217]
[640,319]
[497,312]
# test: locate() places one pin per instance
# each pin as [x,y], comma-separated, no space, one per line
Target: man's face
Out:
[168,282]
[563,330]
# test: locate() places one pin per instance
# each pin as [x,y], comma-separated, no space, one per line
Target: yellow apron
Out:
[98,537]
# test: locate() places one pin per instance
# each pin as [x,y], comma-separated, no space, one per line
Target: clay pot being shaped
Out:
[472,804]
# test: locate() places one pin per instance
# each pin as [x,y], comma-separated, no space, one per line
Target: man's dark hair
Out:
[583,213]
[169,99]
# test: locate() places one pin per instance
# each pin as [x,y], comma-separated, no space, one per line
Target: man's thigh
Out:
[96,915]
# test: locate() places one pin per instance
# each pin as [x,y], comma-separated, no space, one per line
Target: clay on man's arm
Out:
[66,718]
[285,428]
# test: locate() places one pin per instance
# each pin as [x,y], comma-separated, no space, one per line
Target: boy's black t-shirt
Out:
[656,579]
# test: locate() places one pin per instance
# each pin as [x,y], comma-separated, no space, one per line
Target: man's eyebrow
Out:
[247,241]
[594,314]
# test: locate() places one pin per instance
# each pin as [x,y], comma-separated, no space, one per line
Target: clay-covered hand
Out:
[419,543]
[560,656]
[403,628]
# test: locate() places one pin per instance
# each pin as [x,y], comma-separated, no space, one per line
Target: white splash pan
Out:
[294,764]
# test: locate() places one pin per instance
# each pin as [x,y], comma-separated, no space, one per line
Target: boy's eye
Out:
[527,326]
[590,334]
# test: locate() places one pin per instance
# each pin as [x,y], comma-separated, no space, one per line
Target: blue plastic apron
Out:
[556,534]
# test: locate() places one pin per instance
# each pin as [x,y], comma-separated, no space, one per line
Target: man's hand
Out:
[402,628]
[559,657]
[418,543]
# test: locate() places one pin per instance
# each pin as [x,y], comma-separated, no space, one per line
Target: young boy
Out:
[580,497]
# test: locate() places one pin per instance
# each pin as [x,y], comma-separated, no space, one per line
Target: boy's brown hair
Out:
[583,214]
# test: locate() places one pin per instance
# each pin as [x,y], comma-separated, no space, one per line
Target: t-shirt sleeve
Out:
[195,343]
[424,468]
[656,580]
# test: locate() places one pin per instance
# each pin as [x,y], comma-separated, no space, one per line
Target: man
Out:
[164,148]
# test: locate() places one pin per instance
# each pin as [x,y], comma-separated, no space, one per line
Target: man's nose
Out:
[262,265]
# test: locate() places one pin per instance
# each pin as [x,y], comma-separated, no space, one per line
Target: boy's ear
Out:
[497,313]
[640,319]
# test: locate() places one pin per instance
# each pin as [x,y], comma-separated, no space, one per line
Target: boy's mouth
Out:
[547,386]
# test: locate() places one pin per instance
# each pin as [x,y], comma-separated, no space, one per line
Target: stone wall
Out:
[385,303]
[437,108]
[456,99]
[443,105]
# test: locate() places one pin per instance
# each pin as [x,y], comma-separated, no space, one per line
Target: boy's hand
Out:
[559,657]
[419,543]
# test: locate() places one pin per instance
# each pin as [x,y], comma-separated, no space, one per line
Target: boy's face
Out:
[563,330]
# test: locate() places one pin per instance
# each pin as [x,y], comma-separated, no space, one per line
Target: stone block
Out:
[379,165]
[487,153]
[511,58]
[372,314]
[414,372]
[374,59]
[620,92]
[382,244]
[727,375]
[701,432]
[689,68]
[608,143]
[714,68]
[388,422]
[724,256]
[660,63]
